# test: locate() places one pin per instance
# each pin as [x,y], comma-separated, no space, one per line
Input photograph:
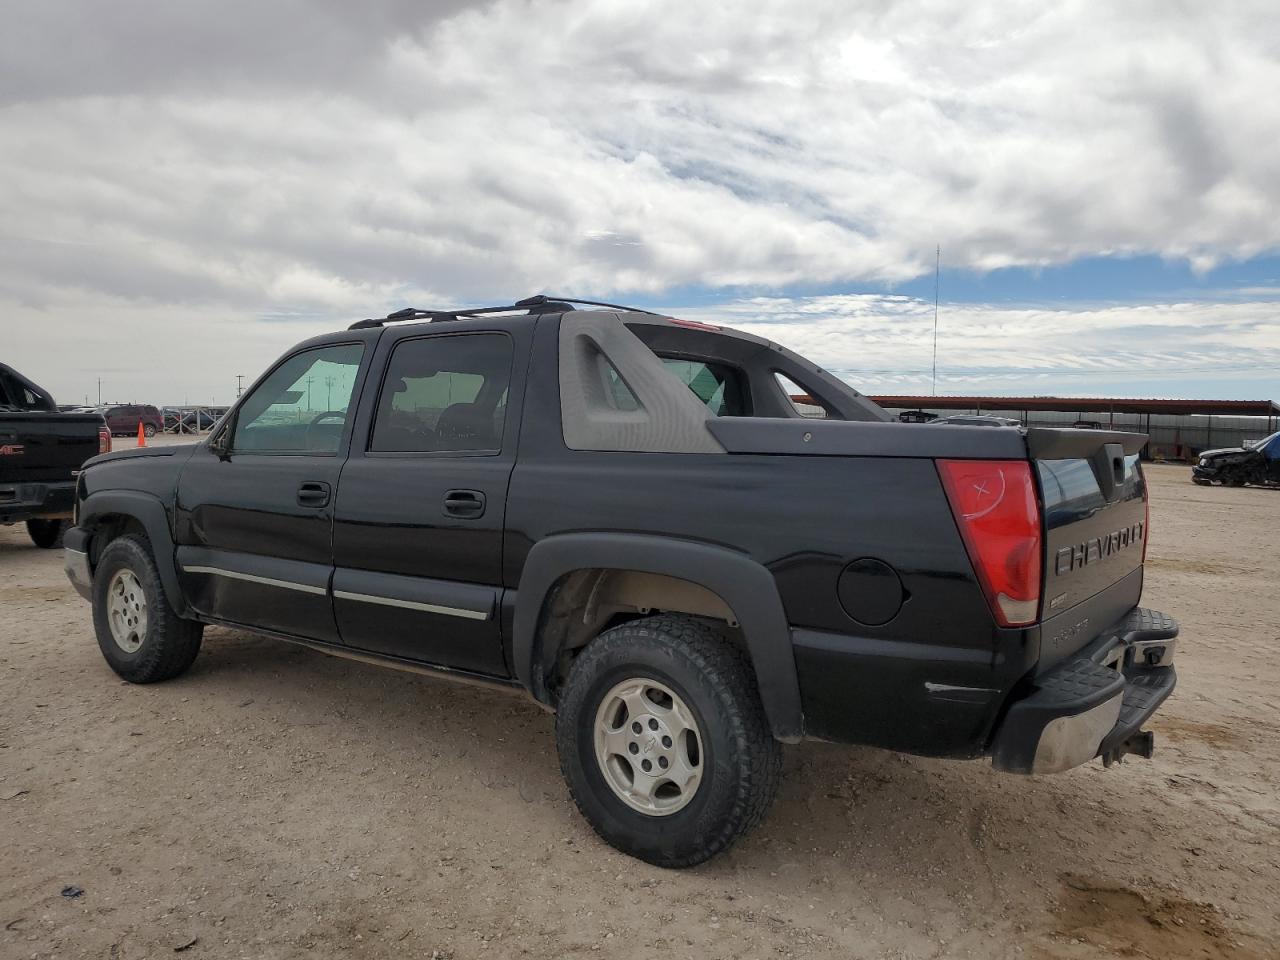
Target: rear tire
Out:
[141,637]
[699,716]
[46,534]
[149,430]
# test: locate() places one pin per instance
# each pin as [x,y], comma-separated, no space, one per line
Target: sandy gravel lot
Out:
[275,802]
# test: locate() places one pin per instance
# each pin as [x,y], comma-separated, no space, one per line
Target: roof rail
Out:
[541,303]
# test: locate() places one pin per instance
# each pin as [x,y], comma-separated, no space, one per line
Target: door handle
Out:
[467,504]
[313,493]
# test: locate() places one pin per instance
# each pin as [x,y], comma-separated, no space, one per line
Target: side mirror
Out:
[221,444]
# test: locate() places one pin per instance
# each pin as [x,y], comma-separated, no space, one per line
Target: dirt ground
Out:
[275,802]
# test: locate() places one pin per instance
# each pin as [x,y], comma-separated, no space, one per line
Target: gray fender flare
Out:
[150,512]
[745,585]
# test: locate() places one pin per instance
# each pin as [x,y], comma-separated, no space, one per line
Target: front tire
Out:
[663,741]
[46,534]
[140,635]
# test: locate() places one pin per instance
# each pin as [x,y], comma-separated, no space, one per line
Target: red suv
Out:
[124,419]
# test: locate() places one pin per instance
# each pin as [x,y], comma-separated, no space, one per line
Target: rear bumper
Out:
[28,501]
[1094,704]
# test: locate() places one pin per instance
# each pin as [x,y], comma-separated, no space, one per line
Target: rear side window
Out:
[717,385]
[444,394]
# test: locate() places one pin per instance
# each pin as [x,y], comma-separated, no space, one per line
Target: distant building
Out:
[1179,429]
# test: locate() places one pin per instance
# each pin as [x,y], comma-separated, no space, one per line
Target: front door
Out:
[254,519]
[418,525]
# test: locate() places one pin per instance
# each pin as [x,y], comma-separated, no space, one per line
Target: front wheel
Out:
[46,534]
[141,637]
[663,741]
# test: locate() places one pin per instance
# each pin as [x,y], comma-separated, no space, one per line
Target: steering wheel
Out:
[327,415]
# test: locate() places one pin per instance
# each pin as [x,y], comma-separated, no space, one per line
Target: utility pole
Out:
[239,385]
[328,397]
[99,391]
[309,379]
[937,276]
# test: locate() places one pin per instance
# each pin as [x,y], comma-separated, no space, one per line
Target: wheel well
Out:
[109,527]
[583,604]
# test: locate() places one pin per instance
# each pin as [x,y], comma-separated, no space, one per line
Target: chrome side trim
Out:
[252,578]
[412,605]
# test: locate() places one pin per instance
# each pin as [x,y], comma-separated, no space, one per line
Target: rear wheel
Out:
[663,741]
[149,430]
[46,534]
[140,635]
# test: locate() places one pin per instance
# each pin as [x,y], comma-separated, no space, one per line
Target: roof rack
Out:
[541,303]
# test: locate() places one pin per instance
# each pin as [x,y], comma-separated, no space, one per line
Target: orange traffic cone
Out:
[142,435]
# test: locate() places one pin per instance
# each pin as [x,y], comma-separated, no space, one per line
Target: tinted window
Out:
[303,406]
[617,394]
[444,394]
[715,384]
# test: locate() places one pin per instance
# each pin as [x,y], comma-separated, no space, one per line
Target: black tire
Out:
[169,644]
[46,534]
[742,762]
[149,430]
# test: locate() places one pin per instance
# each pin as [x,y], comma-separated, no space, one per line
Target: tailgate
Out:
[40,447]
[1095,519]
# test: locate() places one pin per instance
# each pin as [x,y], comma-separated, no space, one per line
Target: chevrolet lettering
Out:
[1081,554]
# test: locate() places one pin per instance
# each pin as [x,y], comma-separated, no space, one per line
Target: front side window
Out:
[303,406]
[444,394]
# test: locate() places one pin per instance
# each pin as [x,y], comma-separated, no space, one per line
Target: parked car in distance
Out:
[41,451]
[977,420]
[628,518]
[123,419]
[1257,463]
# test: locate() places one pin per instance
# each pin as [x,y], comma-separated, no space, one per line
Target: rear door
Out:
[1095,518]
[420,511]
[254,523]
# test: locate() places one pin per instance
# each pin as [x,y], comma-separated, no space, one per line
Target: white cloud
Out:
[325,160]
[884,345]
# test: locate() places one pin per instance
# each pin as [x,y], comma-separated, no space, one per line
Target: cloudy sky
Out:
[187,188]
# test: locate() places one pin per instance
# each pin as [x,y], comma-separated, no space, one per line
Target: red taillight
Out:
[104,440]
[994,502]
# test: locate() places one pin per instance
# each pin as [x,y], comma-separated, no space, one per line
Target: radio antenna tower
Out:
[937,275]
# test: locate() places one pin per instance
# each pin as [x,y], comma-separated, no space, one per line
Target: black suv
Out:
[631,519]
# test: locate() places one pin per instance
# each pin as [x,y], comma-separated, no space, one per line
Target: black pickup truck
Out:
[41,450]
[627,517]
